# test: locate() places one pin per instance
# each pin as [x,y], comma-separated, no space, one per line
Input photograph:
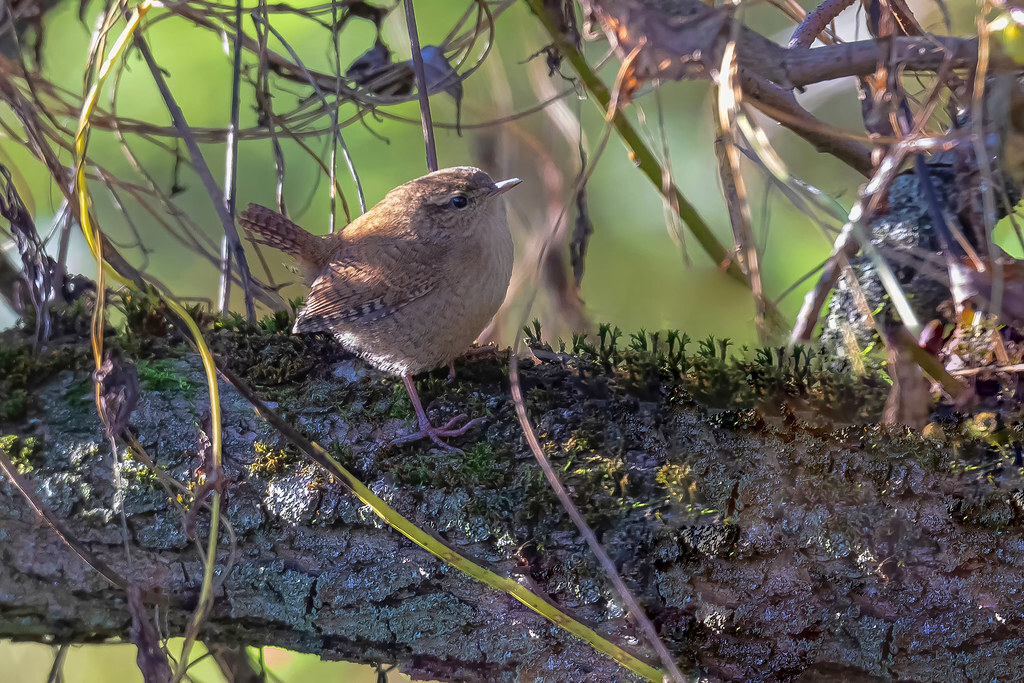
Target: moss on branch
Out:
[761,518]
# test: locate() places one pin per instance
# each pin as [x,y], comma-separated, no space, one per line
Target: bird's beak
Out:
[503,186]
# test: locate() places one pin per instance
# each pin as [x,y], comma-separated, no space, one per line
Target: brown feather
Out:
[411,283]
[268,227]
[362,285]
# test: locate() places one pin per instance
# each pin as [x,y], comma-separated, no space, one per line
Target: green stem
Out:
[642,155]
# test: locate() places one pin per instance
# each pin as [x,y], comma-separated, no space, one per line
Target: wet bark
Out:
[764,545]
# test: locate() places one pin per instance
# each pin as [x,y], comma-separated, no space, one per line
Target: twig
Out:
[57,668]
[816,21]
[780,104]
[203,170]
[332,190]
[259,20]
[727,152]
[642,155]
[971,372]
[421,86]
[848,242]
[986,182]
[231,161]
[607,566]
[860,58]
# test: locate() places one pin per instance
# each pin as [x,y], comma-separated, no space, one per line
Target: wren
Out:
[410,284]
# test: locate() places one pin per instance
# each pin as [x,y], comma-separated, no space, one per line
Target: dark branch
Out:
[755,544]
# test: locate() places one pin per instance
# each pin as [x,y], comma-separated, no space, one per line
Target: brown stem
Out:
[421,87]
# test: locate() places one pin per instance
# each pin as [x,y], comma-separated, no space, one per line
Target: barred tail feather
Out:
[267,226]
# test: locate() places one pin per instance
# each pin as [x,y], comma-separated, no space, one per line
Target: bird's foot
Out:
[438,434]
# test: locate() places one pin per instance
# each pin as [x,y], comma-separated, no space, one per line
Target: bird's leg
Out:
[428,431]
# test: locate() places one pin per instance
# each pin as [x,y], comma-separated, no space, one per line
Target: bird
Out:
[410,284]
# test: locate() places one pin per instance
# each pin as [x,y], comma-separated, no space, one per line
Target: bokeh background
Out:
[642,270]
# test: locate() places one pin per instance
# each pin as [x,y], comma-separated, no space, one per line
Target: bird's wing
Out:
[353,289]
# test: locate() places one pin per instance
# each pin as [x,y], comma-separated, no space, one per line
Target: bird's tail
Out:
[267,226]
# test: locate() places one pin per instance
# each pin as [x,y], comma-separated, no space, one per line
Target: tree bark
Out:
[763,546]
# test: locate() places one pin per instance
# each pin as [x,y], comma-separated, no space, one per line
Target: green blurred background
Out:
[30,662]
[637,274]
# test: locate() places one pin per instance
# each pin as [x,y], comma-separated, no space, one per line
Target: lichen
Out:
[14,405]
[137,471]
[660,448]
[271,461]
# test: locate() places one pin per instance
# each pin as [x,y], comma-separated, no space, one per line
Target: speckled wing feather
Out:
[351,290]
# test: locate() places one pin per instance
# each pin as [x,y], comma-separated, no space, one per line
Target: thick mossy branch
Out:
[769,532]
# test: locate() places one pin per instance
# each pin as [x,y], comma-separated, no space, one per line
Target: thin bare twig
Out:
[203,170]
[423,538]
[332,189]
[260,21]
[421,87]
[727,151]
[605,562]
[231,161]
[57,668]
[642,156]
[849,241]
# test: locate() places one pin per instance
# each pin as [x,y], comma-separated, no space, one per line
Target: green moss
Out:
[22,369]
[678,481]
[277,322]
[479,466]
[342,452]
[266,354]
[74,319]
[478,462]
[270,460]
[580,442]
[145,317]
[598,477]
[418,471]
[401,405]
[715,375]
[14,405]
[20,451]
[163,375]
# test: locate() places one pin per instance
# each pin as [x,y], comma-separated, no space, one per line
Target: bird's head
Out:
[455,201]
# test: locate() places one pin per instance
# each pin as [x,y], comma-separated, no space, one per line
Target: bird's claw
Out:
[438,434]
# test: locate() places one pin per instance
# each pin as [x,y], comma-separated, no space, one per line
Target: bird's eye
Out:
[459,201]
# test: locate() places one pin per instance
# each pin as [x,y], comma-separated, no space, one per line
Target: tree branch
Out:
[680,39]
[918,53]
[756,544]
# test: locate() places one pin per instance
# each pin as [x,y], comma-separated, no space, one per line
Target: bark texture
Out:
[764,546]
